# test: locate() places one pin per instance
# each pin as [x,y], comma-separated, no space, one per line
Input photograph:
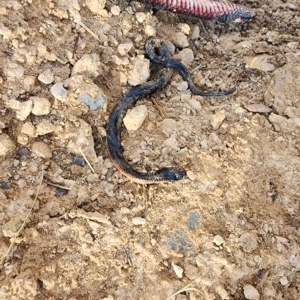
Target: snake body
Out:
[115,119]
[222,11]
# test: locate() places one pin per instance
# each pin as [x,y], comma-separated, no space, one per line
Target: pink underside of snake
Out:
[201,8]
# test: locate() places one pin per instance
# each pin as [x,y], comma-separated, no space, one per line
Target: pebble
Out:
[191,272]
[46,77]
[138,221]
[95,5]
[171,142]
[79,161]
[260,62]
[88,65]
[41,149]
[44,127]
[115,10]
[194,219]
[185,55]
[6,145]
[284,281]
[218,240]
[41,106]
[123,49]
[180,40]
[29,82]
[217,119]
[181,86]
[250,292]
[140,72]
[28,129]
[14,70]
[22,109]
[92,104]
[168,126]
[61,192]
[185,28]
[12,226]
[191,175]
[195,32]
[195,104]
[178,270]
[59,92]
[248,242]
[222,293]
[140,17]
[149,30]
[135,117]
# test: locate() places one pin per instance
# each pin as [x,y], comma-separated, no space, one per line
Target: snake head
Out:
[169,174]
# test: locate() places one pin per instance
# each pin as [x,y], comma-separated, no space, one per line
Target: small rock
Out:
[193,221]
[195,33]
[28,129]
[41,106]
[178,270]
[260,62]
[269,290]
[22,109]
[88,64]
[41,149]
[191,272]
[92,104]
[149,30]
[140,72]
[46,77]
[168,126]
[222,293]
[191,175]
[44,127]
[11,228]
[250,292]
[135,117]
[180,40]
[123,49]
[115,10]
[14,70]
[195,104]
[218,240]
[185,28]
[248,242]
[59,92]
[218,192]
[217,119]
[138,221]
[181,86]
[140,17]
[185,55]
[95,5]
[171,142]
[29,82]
[6,145]
[284,281]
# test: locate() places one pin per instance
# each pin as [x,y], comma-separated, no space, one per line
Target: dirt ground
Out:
[228,230]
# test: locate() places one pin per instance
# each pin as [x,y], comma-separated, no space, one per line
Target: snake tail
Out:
[222,11]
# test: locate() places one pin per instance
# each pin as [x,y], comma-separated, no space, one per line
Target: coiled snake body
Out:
[115,120]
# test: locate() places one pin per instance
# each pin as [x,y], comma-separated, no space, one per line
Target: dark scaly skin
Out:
[222,11]
[114,123]
[115,119]
[183,71]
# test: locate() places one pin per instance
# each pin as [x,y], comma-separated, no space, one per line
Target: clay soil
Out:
[228,230]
